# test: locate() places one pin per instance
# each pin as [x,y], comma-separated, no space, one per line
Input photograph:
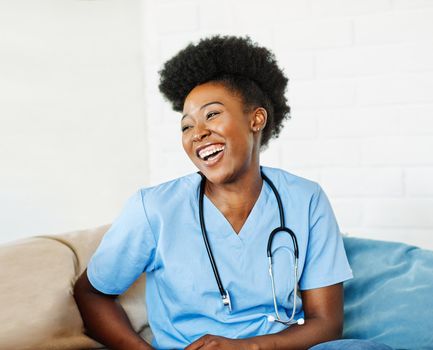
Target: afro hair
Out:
[239,64]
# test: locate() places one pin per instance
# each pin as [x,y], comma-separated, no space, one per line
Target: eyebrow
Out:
[204,106]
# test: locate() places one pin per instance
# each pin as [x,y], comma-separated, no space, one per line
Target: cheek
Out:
[184,144]
[187,146]
[241,137]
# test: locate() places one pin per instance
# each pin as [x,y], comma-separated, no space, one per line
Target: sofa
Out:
[390,300]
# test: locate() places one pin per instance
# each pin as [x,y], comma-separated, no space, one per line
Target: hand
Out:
[214,342]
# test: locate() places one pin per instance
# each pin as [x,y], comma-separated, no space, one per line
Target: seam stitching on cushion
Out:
[69,245]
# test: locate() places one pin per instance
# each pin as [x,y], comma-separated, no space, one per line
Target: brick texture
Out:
[361,93]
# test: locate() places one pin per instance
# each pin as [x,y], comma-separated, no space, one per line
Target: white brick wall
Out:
[394,26]
[361,91]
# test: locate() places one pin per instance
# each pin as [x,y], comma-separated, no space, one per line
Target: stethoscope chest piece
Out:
[227,301]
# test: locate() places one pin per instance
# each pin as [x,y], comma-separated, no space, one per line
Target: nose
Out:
[200,133]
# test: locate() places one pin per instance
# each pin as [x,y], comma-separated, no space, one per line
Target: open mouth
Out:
[211,152]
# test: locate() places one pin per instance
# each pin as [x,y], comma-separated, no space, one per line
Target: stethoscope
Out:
[225,295]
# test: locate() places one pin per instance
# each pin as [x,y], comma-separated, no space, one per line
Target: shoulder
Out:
[171,191]
[291,183]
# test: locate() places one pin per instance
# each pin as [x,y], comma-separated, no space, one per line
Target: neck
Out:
[237,195]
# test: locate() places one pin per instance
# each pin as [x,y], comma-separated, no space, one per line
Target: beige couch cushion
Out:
[37,309]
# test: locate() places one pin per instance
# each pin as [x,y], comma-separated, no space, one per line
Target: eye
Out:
[211,114]
[185,128]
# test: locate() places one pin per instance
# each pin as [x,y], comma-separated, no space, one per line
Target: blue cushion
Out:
[390,298]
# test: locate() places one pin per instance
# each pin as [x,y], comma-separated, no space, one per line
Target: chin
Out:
[215,177]
[225,171]
[219,176]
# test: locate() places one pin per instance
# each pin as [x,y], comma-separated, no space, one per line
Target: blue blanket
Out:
[390,298]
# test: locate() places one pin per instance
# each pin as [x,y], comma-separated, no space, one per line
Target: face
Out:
[218,135]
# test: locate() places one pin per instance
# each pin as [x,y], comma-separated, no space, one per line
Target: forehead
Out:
[210,92]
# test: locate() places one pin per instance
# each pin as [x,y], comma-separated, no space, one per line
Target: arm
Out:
[105,319]
[323,308]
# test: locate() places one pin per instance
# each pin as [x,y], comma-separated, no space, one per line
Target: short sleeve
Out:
[326,261]
[126,250]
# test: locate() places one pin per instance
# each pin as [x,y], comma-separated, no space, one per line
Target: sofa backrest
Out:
[37,309]
[390,298]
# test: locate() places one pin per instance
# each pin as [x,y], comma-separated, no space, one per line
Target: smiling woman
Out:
[220,132]
[237,256]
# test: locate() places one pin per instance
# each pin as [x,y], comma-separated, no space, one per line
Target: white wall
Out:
[361,91]
[72,135]
[74,142]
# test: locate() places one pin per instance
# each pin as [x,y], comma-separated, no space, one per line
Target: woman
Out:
[231,95]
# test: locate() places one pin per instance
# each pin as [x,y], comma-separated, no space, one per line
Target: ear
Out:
[259,119]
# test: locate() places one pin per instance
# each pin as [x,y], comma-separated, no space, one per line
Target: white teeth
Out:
[209,150]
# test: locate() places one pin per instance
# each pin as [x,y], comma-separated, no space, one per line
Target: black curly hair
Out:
[239,64]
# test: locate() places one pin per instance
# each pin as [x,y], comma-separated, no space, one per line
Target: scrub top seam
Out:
[152,267]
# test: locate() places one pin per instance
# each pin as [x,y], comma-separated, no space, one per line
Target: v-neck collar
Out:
[216,221]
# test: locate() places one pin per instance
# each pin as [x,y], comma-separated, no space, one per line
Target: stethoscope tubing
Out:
[224,293]
[206,241]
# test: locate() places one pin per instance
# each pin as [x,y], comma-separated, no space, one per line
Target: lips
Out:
[209,150]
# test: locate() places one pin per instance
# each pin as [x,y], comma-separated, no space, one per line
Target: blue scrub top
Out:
[158,232]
